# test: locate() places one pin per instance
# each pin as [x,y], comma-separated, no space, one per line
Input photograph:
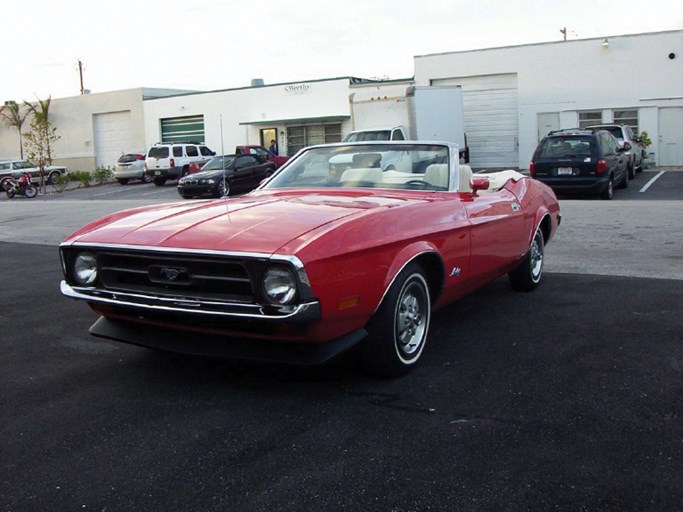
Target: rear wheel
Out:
[608,193]
[397,334]
[144,178]
[159,182]
[122,181]
[527,276]
[52,178]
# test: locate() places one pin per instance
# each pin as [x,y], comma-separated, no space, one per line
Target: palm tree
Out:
[13,116]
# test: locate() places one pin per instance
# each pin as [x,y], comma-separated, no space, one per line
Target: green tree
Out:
[14,117]
[41,114]
[40,138]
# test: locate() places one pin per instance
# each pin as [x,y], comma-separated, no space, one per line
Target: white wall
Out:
[634,71]
[269,105]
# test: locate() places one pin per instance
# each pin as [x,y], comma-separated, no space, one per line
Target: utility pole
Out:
[563,30]
[80,73]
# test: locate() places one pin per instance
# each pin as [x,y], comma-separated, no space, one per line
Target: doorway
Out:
[268,135]
[670,137]
[547,122]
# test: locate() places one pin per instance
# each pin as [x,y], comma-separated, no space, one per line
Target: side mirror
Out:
[627,146]
[480,184]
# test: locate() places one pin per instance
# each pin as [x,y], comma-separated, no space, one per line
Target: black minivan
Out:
[581,162]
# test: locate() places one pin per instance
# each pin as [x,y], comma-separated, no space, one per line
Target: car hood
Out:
[213,173]
[261,222]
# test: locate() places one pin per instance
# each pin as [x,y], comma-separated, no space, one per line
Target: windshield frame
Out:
[411,158]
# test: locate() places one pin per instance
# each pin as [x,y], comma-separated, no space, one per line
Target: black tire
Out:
[31,191]
[632,170]
[159,182]
[608,193]
[52,178]
[144,178]
[187,196]
[10,193]
[122,181]
[624,181]
[223,189]
[527,276]
[397,333]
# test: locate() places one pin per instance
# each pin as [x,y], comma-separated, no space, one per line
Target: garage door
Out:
[113,137]
[491,124]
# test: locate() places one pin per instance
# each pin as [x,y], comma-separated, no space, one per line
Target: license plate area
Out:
[157,173]
[565,171]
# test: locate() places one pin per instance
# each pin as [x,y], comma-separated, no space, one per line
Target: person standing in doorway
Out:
[272,148]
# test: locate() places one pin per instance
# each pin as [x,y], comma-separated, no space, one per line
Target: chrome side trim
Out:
[300,313]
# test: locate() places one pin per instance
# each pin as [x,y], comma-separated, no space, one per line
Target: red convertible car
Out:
[345,245]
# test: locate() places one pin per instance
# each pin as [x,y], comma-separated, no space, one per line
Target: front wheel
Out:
[31,191]
[608,193]
[397,333]
[527,276]
[122,181]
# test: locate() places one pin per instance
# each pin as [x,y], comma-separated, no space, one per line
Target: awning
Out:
[326,119]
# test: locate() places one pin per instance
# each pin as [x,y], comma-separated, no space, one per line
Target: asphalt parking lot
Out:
[568,398]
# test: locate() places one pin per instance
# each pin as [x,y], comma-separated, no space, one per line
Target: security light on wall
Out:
[605,44]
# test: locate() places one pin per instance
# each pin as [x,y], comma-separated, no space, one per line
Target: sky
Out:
[223,44]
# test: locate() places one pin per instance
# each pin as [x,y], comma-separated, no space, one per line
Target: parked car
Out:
[223,175]
[15,168]
[313,262]
[627,139]
[580,162]
[130,166]
[263,154]
[171,160]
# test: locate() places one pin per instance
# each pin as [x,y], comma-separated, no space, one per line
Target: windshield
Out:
[216,164]
[565,147]
[367,136]
[396,166]
[158,152]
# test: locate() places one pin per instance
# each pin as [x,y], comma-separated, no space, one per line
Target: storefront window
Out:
[298,137]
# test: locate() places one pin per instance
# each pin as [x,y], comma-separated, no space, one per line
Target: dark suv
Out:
[581,162]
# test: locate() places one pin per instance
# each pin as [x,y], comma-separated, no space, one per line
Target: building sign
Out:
[297,89]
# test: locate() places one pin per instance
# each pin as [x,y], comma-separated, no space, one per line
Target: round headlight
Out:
[279,285]
[85,268]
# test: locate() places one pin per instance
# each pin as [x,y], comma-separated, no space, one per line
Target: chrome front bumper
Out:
[299,313]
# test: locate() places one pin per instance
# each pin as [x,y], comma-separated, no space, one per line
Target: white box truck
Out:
[433,113]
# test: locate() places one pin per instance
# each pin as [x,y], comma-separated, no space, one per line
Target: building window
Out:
[628,118]
[183,129]
[298,137]
[590,117]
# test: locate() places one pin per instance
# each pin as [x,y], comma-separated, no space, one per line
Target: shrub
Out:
[61,182]
[643,139]
[83,176]
[102,175]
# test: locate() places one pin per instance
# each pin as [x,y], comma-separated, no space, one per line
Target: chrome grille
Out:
[178,276]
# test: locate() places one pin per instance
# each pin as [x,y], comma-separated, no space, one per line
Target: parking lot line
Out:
[649,183]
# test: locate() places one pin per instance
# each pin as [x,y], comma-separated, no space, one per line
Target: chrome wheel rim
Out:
[412,318]
[536,257]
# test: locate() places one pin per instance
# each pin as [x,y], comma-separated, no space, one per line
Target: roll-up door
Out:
[183,129]
[491,121]
[113,137]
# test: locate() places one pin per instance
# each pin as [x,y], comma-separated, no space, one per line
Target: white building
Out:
[513,96]
[94,129]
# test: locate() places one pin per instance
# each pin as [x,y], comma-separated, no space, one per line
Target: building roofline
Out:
[546,43]
[353,80]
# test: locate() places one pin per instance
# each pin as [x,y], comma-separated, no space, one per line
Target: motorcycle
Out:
[22,186]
